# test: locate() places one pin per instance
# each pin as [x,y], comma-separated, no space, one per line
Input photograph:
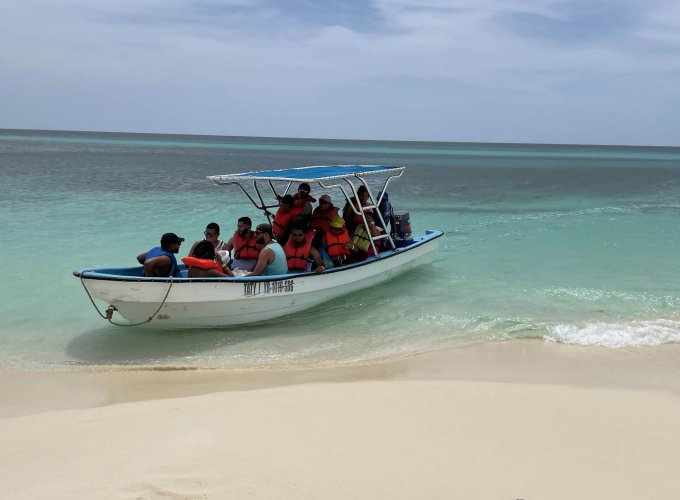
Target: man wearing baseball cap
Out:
[323,214]
[160,261]
[272,259]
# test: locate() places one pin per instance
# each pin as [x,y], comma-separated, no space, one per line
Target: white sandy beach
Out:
[522,419]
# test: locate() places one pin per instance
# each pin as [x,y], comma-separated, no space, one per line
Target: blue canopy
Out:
[308,174]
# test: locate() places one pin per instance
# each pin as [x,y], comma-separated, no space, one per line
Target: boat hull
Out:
[216,302]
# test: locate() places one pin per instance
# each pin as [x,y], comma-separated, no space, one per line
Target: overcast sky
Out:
[585,71]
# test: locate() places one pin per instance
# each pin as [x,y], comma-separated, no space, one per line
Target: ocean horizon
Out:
[569,243]
[55,134]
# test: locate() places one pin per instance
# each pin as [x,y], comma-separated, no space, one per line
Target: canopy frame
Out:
[337,177]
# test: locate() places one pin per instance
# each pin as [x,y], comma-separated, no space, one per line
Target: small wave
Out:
[656,208]
[629,334]
[547,213]
[597,295]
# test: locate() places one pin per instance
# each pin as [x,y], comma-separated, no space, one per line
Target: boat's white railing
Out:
[373,205]
[262,205]
[348,189]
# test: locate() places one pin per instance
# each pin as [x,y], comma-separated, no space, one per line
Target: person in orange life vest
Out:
[351,218]
[303,201]
[299,250]
[246,249]
[283,218]
[204,263]
[323,214]
[339,245]
[212,234]
[160,261]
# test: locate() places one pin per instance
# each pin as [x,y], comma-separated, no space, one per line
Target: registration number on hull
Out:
[267,288]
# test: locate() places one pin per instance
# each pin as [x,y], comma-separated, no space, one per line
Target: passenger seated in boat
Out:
[300,254]
[387,213]
[319,242]
[339,246]
[205,263]
[272,259]
[323,214]
[362,239]
[212,234]
[160,261]
[303,201]
[246,250]
[351,218]
[284,216]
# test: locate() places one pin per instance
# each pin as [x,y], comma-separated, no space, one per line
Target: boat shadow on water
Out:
[188,347]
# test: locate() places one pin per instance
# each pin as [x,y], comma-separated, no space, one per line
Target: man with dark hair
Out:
[284,216]
[272,259]
[160,261]
[300,254]
[387,213]
[351,212]
[205,263]
[246,249]
[212,234]
[302,201]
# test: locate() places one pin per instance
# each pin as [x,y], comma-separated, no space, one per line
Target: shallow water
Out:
[574,244]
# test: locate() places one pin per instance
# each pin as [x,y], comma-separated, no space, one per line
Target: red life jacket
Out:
[245,249]
[299,202]
[282,221]
[335,243]
[295,211]
[201,263]
[298,257]
[321,219]
[356,218]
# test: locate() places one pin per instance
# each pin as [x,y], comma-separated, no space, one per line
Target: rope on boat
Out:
[111,309]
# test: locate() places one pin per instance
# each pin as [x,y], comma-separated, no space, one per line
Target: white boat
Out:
[213,302]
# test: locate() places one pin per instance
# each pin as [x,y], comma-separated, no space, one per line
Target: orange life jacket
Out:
[335,243]
[295,211]
[321,219]
[201,263]
[245,249]
[298,257]
[299,202]
[282,221]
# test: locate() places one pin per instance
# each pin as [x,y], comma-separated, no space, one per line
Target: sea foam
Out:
[628,334]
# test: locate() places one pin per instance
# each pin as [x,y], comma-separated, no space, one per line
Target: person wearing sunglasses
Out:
[212,234]
[324,214]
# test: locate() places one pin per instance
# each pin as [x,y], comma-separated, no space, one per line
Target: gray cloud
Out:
[486,70]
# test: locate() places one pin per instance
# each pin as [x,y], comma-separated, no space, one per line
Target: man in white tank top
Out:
[212,234]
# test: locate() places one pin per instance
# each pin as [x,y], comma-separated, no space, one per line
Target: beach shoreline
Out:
[517,419]
[529,361]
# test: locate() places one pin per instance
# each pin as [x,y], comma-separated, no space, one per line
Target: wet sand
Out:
[520,419]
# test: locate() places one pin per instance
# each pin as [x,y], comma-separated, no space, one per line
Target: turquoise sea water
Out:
[574,244]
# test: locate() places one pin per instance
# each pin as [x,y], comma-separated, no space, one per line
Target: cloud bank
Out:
[466,70]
